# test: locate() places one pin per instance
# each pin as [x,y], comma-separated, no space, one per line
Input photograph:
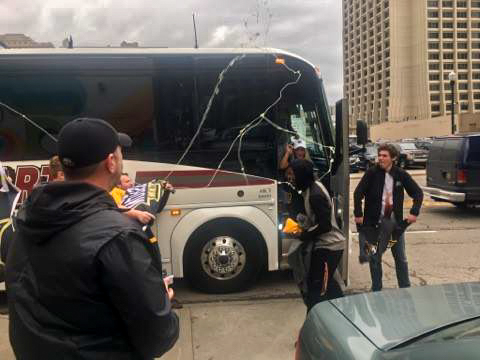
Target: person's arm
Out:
[131,274]
[144,217]
[415,192]
[288,152]
[322,208]
[359,194]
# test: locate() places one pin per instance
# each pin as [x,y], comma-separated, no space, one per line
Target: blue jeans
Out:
[401,266]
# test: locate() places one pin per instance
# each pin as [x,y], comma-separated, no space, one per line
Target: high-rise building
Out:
[398,55]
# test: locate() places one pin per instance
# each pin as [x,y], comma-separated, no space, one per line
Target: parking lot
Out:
[263,322]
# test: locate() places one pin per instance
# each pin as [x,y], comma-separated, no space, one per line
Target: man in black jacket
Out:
[84,281]
[382,187]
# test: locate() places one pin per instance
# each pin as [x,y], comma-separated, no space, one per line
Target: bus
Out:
[222,226]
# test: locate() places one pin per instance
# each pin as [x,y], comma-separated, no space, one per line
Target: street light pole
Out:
[452,77]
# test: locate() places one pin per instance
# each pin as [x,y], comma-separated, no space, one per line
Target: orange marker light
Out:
[280,61]
[175,212]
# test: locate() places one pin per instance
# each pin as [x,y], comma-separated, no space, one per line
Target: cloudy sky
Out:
[310,28]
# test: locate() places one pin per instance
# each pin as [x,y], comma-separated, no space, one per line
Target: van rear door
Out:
[472,168]
[444,161]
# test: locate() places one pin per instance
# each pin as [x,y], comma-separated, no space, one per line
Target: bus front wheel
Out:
[224,256]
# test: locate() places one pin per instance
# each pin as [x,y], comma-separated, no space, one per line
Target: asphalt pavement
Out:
[263,322]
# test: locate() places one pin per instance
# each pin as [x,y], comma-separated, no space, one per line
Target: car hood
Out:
[392,317]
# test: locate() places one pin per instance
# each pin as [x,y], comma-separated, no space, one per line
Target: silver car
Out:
[431,322]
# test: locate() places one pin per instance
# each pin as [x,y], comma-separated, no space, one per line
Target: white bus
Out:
[218,233]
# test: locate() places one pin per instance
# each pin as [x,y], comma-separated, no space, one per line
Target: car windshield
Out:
[464,330]
[408,146]
[371,150]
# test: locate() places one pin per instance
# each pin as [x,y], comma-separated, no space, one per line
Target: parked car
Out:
[440,322]
[424,144]
[410,155]
[354,162]
[368,157]
[453,170]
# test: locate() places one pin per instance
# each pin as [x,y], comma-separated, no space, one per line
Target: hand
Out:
[411,218]
[359,220]
[143,217]
[289,149]
[168,186]
[170,291]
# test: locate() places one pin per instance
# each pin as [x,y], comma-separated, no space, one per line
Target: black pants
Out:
[316,274]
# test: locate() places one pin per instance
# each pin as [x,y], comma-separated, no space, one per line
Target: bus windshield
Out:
[159,100]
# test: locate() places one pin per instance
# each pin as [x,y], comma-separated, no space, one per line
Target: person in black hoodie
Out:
[382,187]
[320,227]
[83,280]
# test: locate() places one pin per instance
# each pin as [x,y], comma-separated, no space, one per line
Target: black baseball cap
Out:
[85,141]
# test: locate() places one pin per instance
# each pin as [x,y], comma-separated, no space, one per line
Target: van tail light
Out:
[461,176]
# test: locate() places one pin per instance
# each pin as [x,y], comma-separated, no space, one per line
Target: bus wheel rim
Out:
[223,258]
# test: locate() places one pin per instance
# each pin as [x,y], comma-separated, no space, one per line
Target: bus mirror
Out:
[362,132]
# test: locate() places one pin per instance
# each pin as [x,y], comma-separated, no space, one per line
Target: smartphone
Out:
[168,280]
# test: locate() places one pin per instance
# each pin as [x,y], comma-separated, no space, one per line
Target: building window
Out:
[435,108]
[464,96]
[463,76]
[462,66]
[434,66]
[447,3]
[463,86]
[462,45]
[475,65]
[433,25]
[462,35]
[462,4]
[448,45]
[476,4]
[448,14]
[461,14]
[448,66]
[475,14]
[434,87]
[433,77]
[448,35]
[448,25]
[461,25]
[475,55]
[433,45]
[448,56]
[434,56]
[464,106]
[431,3]
[432,14]
[476,96]
[435,97]
[477,106]
[433,35]
[462,55]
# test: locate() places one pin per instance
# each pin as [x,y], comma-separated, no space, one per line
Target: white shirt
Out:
[387,196]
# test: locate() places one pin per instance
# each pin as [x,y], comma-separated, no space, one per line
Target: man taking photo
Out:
[382,186]
[84,281]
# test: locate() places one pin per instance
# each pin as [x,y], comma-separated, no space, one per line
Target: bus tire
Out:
[224,256]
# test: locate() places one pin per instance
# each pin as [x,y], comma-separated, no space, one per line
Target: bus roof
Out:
[148,51]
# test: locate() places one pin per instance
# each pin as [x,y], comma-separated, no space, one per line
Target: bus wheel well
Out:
[224,255]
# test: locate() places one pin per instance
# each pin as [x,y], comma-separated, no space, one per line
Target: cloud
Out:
[310,28]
